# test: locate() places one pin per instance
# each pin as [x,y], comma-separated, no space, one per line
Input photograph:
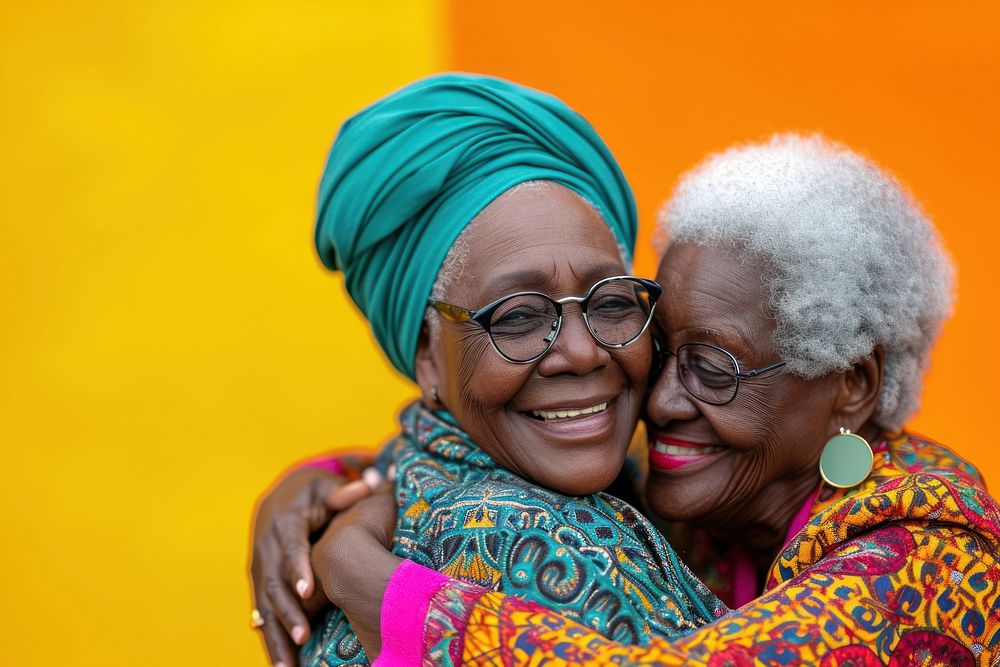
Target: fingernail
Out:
[372,478]
[298,634]
[301,585]
[279,664]
[392,472]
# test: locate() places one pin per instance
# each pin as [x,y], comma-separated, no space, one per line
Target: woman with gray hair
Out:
[803,290]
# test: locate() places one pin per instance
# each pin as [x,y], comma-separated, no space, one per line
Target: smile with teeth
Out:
[674,450]
[566,414]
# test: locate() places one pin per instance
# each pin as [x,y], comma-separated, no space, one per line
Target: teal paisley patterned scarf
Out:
[594,558]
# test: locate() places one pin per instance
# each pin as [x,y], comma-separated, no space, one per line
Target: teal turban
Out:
[408,173]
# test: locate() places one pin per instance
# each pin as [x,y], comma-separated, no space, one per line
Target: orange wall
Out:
[916,85]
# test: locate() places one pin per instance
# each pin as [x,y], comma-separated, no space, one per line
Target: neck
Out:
[762,526]
[772,513]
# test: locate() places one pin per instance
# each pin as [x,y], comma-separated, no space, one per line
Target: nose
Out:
[574,351]
[668,400]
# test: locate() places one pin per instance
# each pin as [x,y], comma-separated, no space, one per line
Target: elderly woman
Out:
[455,207]
[804,289]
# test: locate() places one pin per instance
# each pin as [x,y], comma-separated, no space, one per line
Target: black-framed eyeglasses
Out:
[522,327]
[708,372]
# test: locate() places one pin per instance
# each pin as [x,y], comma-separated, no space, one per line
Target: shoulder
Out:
[507,507]
[923,548]
[509,500]
[933,486]
[487,530]
[920,495]
[917,454]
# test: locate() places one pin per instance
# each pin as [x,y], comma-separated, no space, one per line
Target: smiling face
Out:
[751,460]
[528,417]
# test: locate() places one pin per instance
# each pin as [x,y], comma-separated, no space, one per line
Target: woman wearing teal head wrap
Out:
[407,174]
[527,406]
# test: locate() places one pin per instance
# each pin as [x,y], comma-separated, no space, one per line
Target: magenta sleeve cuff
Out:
[328,463]
[404,613]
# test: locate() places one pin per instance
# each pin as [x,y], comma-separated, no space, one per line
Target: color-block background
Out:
[168,341]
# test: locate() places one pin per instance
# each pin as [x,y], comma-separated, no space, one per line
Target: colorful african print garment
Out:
[901,570]
[594,559]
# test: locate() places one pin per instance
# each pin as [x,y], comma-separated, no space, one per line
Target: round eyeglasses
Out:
[524,326]
[710,373]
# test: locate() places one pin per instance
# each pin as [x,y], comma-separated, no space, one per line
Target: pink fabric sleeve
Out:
[404,613]
[328,463]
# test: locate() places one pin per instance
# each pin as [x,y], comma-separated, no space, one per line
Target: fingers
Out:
[281,618]
[315,603]
[280,649]
[347,495]
[383,511]
[282,581]
[292,532]
[319,513]
[288,609]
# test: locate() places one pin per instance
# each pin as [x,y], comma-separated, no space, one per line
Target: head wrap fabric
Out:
[408,173]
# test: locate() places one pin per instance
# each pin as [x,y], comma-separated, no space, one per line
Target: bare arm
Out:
[282,583]
[353,563]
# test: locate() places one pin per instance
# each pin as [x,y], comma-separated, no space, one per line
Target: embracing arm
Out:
[354,566]
[298,504]
[870,598]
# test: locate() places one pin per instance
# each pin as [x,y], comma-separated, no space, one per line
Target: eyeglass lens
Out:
[707,372]
[524,326]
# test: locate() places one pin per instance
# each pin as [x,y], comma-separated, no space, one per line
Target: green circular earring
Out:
[846,460]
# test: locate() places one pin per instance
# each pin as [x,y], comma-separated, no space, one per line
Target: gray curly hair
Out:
[849,258]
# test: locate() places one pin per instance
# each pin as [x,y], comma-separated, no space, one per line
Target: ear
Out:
[426,369]
[858,390]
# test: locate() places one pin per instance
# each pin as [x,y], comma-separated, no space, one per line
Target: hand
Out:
[294,509]
[354,564]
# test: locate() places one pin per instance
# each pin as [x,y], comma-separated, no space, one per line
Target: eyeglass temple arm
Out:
[450,312]
[757,371]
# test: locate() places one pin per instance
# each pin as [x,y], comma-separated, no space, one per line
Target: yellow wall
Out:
[168,341]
